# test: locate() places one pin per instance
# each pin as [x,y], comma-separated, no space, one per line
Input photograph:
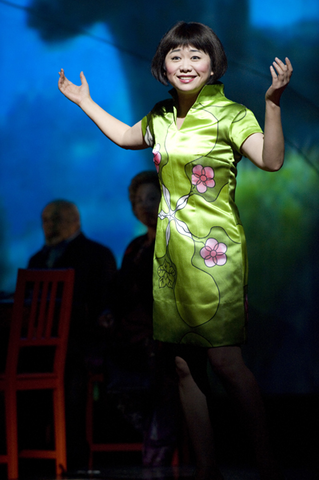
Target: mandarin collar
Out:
[206,93]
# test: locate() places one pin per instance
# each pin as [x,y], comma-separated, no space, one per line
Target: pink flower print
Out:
[214,253]
[157,156]
[203,177]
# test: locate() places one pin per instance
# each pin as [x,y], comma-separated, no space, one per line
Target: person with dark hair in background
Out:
[94,264]
[198,138]
[137,373]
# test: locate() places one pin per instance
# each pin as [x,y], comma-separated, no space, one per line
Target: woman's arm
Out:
[118,132]
[267,151]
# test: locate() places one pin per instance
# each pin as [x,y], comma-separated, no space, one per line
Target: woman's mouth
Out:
[186,78]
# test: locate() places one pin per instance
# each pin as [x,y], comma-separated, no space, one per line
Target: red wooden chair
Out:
[102,447]
[40,318]
[94,446]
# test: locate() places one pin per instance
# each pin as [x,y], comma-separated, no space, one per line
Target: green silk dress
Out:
[200,259]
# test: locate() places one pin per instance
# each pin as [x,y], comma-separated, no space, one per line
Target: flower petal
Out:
[211,243]
[181,202]
[167,196]
[194,179]
[201,187]
[221,259]
[182,228]
[221,248]
[209,172]
[210,183]
[168,232]
[197,170]
[210,262]
[205,252]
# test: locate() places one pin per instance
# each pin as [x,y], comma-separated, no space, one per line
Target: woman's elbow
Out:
[275,166]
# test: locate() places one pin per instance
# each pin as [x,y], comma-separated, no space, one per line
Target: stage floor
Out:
[184,473]
[294,427]
[164,473]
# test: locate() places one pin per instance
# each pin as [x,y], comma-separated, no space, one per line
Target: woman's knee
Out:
[225,360]
[182,368]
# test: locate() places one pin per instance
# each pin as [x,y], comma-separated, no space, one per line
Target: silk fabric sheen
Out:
[200,259]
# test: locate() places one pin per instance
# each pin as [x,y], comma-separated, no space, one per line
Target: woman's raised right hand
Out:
[75,93]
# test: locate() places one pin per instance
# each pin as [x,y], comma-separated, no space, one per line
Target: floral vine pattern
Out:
[214,252]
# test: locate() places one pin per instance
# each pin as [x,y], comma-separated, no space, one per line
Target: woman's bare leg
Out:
[241,385]
[195,409]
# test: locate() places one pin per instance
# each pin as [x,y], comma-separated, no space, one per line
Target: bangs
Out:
[188,35]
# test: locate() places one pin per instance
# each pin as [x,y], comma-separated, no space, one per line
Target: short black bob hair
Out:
[199,36]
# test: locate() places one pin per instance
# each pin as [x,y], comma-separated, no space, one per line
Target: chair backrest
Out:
[40,321]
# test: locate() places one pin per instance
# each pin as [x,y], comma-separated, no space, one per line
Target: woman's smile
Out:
[186,79]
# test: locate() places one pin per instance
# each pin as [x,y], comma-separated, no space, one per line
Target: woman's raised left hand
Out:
[281,73]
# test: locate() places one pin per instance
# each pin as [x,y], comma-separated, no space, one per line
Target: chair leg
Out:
[59,430]
[89,421]
[12,434]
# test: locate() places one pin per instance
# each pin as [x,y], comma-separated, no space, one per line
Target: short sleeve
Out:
[243,125]
[147,130]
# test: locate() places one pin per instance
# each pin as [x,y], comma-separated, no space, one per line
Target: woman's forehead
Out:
[188,47]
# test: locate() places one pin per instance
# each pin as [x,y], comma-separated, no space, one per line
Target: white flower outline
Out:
[181,227]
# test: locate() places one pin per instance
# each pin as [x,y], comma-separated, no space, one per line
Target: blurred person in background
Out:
[94,264]
[137,372]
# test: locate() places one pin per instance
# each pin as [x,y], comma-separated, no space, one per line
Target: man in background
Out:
[95,267]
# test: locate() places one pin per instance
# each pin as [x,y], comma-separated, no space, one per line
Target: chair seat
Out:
[31,381]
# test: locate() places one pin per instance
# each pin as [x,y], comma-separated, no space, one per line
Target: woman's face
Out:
[188,69]
[146,203]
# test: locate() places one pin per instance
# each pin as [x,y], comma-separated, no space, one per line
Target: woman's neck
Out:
[185,103]
[183,107]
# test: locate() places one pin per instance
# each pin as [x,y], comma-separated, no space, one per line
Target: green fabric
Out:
[200,260]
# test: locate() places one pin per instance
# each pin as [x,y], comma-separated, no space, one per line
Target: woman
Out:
[199,274]
[142,382]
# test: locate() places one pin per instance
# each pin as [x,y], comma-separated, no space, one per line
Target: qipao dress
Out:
[200,258]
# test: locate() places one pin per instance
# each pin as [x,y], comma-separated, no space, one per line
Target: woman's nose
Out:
[185,65]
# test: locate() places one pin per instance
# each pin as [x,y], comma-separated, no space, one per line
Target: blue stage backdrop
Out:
[49,149]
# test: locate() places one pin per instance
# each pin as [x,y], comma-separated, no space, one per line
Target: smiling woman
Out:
[200,260]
